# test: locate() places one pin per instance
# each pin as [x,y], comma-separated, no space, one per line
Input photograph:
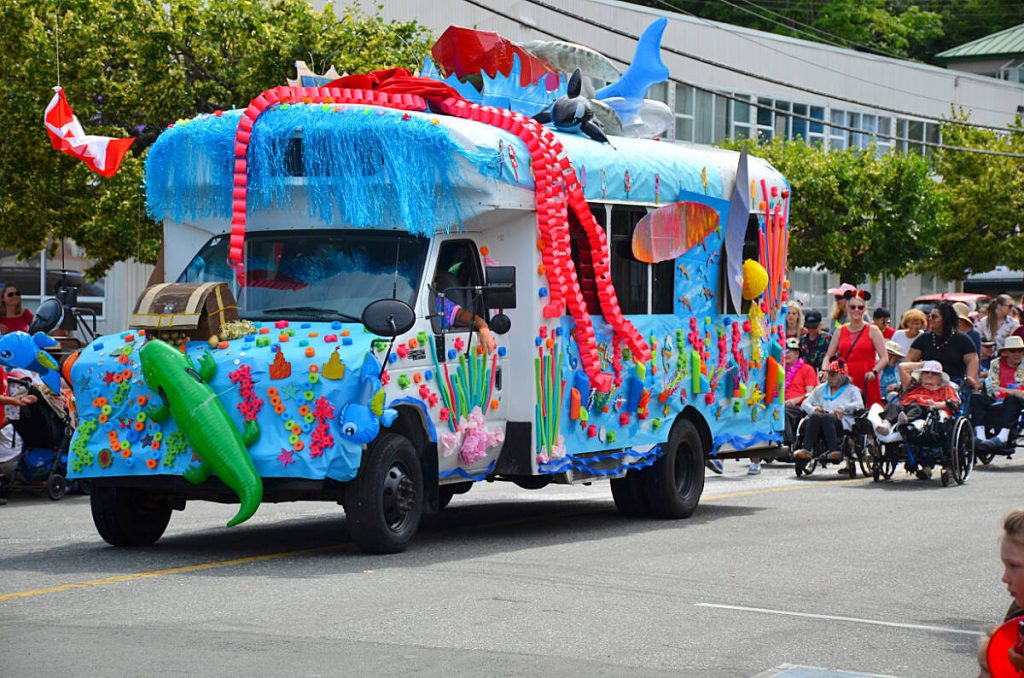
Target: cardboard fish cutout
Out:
[673,230]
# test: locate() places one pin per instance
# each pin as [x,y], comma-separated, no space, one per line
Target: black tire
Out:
[983,455]
[384,502]
[56,487]
[628,493]
[675,481]
[800,466]
[127,516]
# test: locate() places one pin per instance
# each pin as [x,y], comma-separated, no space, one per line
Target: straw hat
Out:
[894,347]
[1013,342]
[963,311]
[793,343]
[933,366]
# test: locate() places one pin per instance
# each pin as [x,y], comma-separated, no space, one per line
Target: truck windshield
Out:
[315,274]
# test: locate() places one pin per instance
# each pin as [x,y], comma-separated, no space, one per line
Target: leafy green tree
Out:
[985,194]
[854,212]
[904,28]
[131,67]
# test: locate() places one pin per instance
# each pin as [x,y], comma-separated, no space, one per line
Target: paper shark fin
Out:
[647,67]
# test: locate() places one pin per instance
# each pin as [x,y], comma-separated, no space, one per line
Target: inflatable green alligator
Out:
[201,416]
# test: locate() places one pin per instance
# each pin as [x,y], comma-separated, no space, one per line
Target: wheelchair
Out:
[987,451]
[853,446]
[948,443]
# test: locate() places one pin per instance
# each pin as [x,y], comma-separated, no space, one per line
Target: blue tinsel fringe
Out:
[366,167]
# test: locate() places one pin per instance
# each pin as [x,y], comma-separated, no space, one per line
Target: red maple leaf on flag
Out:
[103,155]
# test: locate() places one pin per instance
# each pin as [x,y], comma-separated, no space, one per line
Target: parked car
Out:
[977,302]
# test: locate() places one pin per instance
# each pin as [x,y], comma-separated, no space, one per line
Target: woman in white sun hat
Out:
[999,407]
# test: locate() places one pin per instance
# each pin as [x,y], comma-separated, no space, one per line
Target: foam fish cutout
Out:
[20,350]
[361,418]
[673,230]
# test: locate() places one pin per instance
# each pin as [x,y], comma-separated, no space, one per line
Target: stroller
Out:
[45,429]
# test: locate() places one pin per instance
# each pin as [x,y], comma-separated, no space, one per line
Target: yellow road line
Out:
[185,569]
[787,488]
[160,573]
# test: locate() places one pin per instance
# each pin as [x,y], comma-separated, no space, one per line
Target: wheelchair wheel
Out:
[960,454]
[805,468]
[867,449]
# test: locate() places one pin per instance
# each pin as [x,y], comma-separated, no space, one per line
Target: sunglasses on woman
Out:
[14,294]
[860,307]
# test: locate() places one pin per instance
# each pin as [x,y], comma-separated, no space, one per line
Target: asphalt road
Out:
[771,572]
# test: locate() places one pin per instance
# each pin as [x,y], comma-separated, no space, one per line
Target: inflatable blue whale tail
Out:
[647,67]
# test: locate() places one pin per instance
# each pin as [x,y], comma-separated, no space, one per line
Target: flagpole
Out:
[60,163]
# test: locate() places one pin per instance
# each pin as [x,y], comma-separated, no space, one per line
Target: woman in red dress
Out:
[13,316]
[862,346]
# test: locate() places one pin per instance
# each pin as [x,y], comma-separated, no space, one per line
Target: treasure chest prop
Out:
[177,312]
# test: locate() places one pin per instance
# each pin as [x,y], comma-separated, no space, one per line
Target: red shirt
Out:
[919,395]
[797,387]
[888,332]
[1007,374]
[16,324]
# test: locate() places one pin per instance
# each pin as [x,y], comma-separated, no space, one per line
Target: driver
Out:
[453,314]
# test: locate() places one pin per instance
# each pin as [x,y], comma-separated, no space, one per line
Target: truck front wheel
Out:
[676,481]
[127,516]
[384,502]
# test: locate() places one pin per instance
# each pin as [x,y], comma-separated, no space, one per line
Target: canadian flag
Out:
[103,155]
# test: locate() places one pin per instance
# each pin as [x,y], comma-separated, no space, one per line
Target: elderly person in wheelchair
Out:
[996,413]
[830,411]
[928,403]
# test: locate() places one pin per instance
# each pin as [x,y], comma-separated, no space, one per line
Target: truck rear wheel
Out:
[128,517]
[628,493]
[675,482]
[384,502]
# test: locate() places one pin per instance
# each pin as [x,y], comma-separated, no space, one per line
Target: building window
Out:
[684,113]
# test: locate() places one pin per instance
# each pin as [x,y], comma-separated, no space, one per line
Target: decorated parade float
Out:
[336,247]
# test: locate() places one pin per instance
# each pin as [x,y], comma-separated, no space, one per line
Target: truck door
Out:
[470,378]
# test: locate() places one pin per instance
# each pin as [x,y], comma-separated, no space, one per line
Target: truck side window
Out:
[458,265]
[581,258]
[628,275]
[751,250]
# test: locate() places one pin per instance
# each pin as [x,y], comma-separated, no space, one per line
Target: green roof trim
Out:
[1007,43]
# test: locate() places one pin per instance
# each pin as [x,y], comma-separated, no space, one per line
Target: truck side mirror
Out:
[500,324]
[500,291]
[388,317]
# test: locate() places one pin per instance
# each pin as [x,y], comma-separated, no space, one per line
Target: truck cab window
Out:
[458,265]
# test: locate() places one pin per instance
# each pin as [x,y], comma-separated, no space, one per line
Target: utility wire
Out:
[813,64]
[733,97]
[836,40]
[774,81]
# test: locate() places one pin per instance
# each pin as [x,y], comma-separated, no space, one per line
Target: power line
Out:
[842,42]
[747,102]
[774,81]
[762,45]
